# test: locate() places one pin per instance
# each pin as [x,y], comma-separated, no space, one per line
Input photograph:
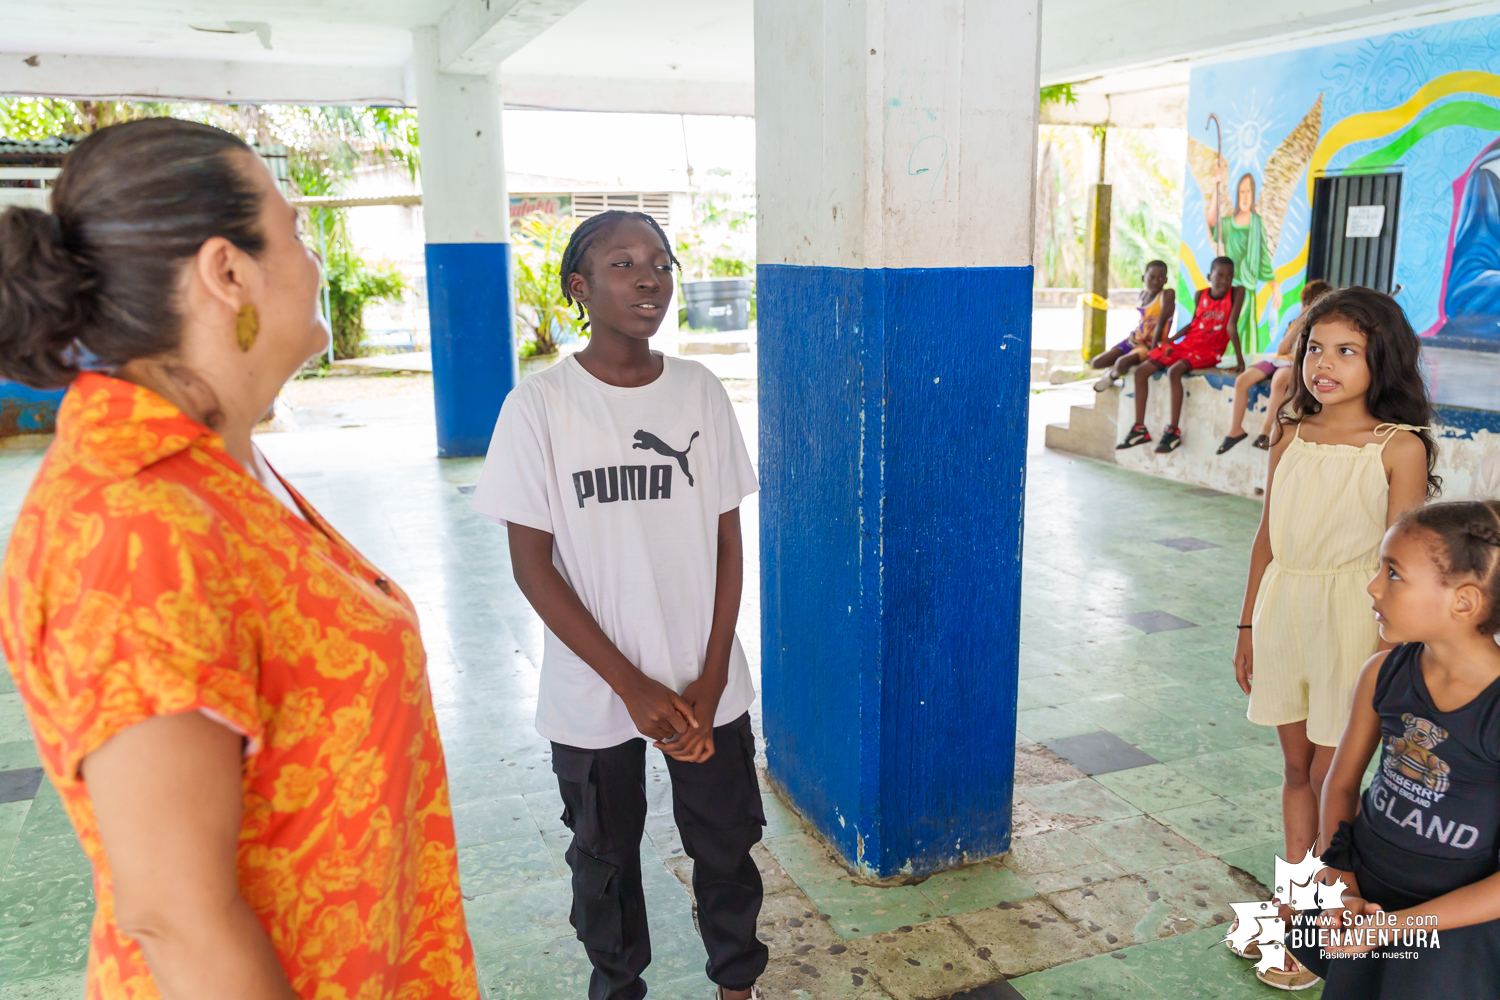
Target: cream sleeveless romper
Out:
[1313,624]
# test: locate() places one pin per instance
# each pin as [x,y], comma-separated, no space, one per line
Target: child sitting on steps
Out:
[1200,344]
[1278,369]
[1156,307]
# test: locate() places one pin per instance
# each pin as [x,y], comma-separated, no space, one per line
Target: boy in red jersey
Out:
[1200,344]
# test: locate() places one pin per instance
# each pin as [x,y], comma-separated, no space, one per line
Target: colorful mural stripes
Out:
[1417,116]
[1470,113]
[1373,124]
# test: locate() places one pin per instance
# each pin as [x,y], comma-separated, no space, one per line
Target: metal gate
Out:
[1353,238]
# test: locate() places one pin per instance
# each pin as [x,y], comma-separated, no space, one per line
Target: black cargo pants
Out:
[719,817]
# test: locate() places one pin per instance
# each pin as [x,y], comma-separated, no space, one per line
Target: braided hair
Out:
[1468,534]
[584,236]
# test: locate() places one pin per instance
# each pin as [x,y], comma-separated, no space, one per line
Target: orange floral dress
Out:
[148,574]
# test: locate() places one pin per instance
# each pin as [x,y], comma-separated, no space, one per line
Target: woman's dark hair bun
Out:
[96,278]
[44,298]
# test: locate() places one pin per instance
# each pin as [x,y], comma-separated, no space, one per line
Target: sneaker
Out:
[1106,382]
[755,993]
[1290,980]
[1138,435]
[1170,439]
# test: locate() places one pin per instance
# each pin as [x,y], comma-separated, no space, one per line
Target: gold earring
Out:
[246,326]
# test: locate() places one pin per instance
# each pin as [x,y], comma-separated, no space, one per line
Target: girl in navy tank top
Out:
[1418,848]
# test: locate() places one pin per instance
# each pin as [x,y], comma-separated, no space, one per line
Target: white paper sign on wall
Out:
[1364,220]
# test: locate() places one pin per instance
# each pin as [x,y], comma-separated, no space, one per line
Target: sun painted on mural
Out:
[1245,133]
[1422,104]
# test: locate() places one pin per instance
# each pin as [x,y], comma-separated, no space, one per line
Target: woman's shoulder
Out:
[190,508]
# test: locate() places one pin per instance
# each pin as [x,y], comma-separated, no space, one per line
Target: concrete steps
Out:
[1090,430]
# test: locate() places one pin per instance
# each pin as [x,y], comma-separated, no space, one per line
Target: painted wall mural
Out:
[1424,103]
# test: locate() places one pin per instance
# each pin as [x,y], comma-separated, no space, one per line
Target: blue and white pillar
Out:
[896,142]
[466,212]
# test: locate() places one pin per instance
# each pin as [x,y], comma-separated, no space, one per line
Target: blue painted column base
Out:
[24,410]
[893,408]
[473,352]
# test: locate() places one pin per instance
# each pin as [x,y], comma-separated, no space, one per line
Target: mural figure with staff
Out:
[1247,228]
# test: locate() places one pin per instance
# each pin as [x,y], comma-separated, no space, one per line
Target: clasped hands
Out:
[680,726]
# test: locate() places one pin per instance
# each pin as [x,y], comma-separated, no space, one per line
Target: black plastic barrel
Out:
[717,303]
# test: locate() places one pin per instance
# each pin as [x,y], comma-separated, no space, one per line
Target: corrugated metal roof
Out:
[38,152]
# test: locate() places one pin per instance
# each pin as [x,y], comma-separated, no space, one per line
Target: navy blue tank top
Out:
[1437,790]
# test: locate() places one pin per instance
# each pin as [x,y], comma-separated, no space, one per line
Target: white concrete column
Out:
[467,215]
[895,133]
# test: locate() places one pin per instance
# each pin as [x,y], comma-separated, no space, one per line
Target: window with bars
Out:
[657,205]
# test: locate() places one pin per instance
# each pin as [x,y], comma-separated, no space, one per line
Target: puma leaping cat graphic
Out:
[647,441]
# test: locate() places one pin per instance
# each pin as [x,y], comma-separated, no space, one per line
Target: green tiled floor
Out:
[1115,886]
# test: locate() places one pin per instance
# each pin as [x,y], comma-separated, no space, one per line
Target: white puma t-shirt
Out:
[630,482]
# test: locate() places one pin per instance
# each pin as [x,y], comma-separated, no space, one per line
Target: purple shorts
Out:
[1125,346]
[1268,368]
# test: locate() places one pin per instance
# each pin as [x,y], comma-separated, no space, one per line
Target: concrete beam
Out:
[1162,107]
[124,77]
[1084,38]
[674,97]
[475,36]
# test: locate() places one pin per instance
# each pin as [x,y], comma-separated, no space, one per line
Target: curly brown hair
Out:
[1397,393]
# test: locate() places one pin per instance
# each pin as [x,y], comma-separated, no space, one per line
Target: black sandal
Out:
[1262,441]
[1170,439]
[1230,442]
[1138,435]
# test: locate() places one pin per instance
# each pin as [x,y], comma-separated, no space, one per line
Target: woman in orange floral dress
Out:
[231,702]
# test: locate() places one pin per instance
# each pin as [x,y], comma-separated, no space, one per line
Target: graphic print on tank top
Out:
[1210,318]
[1411,756]
[614,483]
[1437,791]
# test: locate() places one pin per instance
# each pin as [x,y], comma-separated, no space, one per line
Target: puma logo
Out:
[647,441]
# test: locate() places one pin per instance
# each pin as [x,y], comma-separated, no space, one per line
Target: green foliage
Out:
[1140,233]
[1058,93]
[1146,203]
[713,246]
[730,267]
[324,146]
[537,243]
[41,117]
[354,283]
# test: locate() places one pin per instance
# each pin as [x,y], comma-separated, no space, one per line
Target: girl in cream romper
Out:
[1329,505]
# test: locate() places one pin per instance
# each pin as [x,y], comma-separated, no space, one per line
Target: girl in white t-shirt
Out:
[619,473]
